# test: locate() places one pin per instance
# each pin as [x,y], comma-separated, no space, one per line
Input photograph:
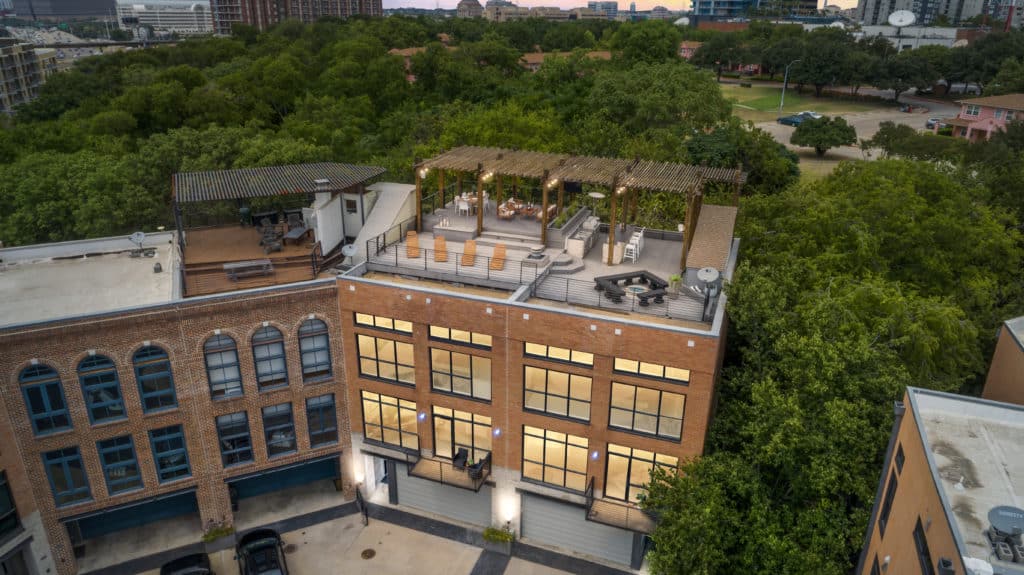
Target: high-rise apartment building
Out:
[876,12]
[265,13]
[22,71]
[178,16]
[63,9]
[610,9]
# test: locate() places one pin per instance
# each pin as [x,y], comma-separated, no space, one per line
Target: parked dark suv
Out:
[261,552]
[197,564]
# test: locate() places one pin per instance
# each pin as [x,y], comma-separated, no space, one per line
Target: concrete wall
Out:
[1006,374]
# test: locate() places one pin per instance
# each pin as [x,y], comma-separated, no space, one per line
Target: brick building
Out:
[498,392]
[263,14]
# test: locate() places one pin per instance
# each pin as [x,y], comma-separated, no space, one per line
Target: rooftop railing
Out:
[684,305]
[471,477]
[616,513]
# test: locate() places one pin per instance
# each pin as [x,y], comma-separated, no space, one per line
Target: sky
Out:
[675,5]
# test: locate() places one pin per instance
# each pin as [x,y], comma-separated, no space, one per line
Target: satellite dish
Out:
[960,43]
[684,21]
[902,18]
[137,238]
[348,250]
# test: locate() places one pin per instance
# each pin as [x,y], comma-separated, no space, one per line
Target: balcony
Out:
[617,513]
[471,477]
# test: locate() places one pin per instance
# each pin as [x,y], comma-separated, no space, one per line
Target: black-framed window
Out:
[322,420]
[460,336]
[655,370]
[9,521]
[221,356]
[234,437]
[66,472]
[900,458]
[101,388]
[554,457]
[381,322]
[628,471]
[890,494]
[315,349]
[390,420]
[153,374]
[454,429]
[44,399]
[875,570]
[279,429]
[924,555]
[170,453]
[120,466]
[558,353]
[644,410]
[268,354]
[386,359]
[460,373]
[556,392]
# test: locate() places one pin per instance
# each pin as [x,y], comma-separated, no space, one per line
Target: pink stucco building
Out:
[979,118]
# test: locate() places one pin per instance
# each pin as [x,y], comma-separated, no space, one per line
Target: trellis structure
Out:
[623,177]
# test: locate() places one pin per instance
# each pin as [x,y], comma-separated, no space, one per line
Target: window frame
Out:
[447,334]
[639,371]
[972,110]
[91,377]
[569,398]
[310,333]
[632,458]
[452,376]
[287,429]
[924,554]
[268,348]
[565,443]
[379,322]
[144,358]
[62,457]
[887,501]
[321,408]
[900,458]
[10,522]
[548,357]
[456,417]
[400,405]
[394,363]
[169,434]
[232,387]
[234,456]
[658,416]
[44,381]
[113,483]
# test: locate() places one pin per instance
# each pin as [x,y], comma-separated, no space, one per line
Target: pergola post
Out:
[694,199]
[561,197]
[419,198]
[440,187]
[479,199]
[498,190]
[611,224]
[544,209]
[458,184]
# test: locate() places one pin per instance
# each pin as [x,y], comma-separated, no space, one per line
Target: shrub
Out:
[499,535]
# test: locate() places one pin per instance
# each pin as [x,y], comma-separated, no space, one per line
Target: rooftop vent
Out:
[322,184]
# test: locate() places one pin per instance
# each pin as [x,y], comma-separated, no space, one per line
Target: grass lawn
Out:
[761,103]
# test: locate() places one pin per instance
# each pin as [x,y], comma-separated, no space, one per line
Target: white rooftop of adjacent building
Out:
[1016,327]
[51,281]
[976,451]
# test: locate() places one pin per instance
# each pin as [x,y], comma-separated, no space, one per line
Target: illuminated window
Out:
[454,429]
[644,369]
[559,354]
[647,411]
[556,458]
[385,359]
[556,392]
[381,322]
[459,336]
[460,373]
[629,471]
[390,420]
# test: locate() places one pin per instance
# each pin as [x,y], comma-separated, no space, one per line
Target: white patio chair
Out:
[630,253]
[463,207]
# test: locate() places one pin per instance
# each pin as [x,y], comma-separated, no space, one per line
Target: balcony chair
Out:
[461,458]
[469,254]
[412,245]
[498,259]
[440,249]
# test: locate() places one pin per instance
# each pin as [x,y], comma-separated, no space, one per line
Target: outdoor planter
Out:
[499,540]
[219,538]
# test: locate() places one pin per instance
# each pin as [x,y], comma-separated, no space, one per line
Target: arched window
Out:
[101,388]
[314,344]
[156,384]
[268,352]
[222,367]
[44,399]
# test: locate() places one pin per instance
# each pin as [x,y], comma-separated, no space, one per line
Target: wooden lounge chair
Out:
[412,245]
[498,259]
[469,253]
[440,249]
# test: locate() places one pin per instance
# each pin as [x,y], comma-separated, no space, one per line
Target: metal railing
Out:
[393,235]
[616,513]
[361,506]
[685,305]
[316,258]
[470,477]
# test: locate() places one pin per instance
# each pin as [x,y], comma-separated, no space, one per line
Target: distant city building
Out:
[978,119]
[610,9]
[722,8]
[875,12]
[22,71]
[469,9]
[265,13]
[660,13]
[585,14]
[62,9]
[548,13]
[503,11]
[6,5]
[178,16]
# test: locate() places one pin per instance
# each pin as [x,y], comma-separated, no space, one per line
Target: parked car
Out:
[196,564]
[261,552]
[796,119]
[932,123]
[810,113]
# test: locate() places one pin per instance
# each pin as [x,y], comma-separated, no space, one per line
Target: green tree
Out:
[650,41]
[1009,79]
[824,133]
[825,52]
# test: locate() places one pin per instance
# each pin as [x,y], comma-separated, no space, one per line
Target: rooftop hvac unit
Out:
[946,567]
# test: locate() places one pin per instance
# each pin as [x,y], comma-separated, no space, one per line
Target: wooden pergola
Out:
[622,176]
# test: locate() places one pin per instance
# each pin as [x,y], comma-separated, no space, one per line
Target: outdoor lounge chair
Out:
[412,245]
[469,253]
[505,213]
[498,259]
[440,249]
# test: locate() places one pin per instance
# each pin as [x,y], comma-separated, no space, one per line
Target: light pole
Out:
[785,81]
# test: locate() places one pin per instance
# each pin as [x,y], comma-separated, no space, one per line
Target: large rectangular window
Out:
[890,494]
[390,420]
[924,555]
[314,345]
[46,407]
[101,388]
[556,458]
[170,453]
[629,471]
[322,420]
[66,472]
[647,411]
[655,370]
[120,466]
[454,430]
[8,513]
[972,110]
[156,384]
[381,322]
[268,353]
[460,373]
[559,354]
[556,392]
[460,336]
[279,429]
[235,441]
[385,359]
